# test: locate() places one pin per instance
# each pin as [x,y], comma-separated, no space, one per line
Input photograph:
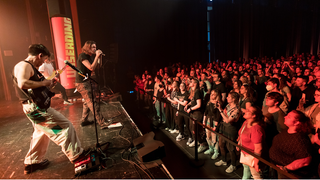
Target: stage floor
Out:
[16,131]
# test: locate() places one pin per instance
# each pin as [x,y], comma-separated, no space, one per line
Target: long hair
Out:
[195,89]
[282,81]
[218,96]
[249,93]
[236,97]
[175,85]
[239,84]
[185,86]
[87,47]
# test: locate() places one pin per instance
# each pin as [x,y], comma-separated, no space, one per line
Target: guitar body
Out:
[148,148]
[41,97]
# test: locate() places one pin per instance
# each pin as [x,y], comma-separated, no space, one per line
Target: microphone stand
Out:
[105,86]
[98,145]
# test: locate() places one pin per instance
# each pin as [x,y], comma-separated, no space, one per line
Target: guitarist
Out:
[48,124]
[47,69]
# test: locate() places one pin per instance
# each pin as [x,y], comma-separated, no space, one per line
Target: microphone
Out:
[72,66]
[102,54]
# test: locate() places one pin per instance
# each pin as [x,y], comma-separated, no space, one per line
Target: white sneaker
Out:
[179,137]
[174,131]
[221,162]
[209,151]
[230,169]
[167,129]
[201,149]
[193,144]
[215,156]
[189,141]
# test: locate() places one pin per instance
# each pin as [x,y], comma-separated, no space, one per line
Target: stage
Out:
[16,131]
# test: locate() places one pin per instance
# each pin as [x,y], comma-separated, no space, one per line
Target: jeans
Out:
[162,113]
[248,171]
[59,88]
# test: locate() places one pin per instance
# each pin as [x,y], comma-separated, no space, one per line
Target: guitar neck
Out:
[56,75]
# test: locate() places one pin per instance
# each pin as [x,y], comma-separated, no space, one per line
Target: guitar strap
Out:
[41,77]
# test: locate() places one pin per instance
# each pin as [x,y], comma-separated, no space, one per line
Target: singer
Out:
[87,63]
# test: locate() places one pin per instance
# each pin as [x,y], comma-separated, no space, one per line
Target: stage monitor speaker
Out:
[149,149]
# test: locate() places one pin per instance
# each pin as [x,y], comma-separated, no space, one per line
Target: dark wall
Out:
[157,32]
[148,32]
[271,27]
[15,33]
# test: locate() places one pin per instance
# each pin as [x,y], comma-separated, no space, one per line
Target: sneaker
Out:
[215,156]
[174,131]
[189,141]
[193,144]
[179,137]
[230,169]
[105,125]
[209,151]
[167,129]
[221,162]
[201,149]
[67,102]
[29,168]
[86,123]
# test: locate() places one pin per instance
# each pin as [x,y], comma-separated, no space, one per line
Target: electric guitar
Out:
[54,75]
[41,96]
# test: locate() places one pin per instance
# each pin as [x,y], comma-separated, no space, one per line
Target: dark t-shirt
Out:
[262,80]
[221,88]
[150,87]
[182,97]
[212,112]
[296,95]
[309,91]
[82,67]
[160,95]
[197,95]
[287,148]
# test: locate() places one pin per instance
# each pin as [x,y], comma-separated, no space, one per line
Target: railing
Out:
[161,100]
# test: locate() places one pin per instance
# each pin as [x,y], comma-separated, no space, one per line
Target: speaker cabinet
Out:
[148,148]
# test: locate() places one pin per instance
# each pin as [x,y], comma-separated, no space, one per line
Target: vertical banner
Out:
[64,44]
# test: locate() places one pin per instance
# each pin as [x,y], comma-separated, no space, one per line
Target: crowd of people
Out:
[268,106]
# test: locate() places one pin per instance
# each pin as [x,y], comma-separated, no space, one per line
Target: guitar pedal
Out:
[89,163]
